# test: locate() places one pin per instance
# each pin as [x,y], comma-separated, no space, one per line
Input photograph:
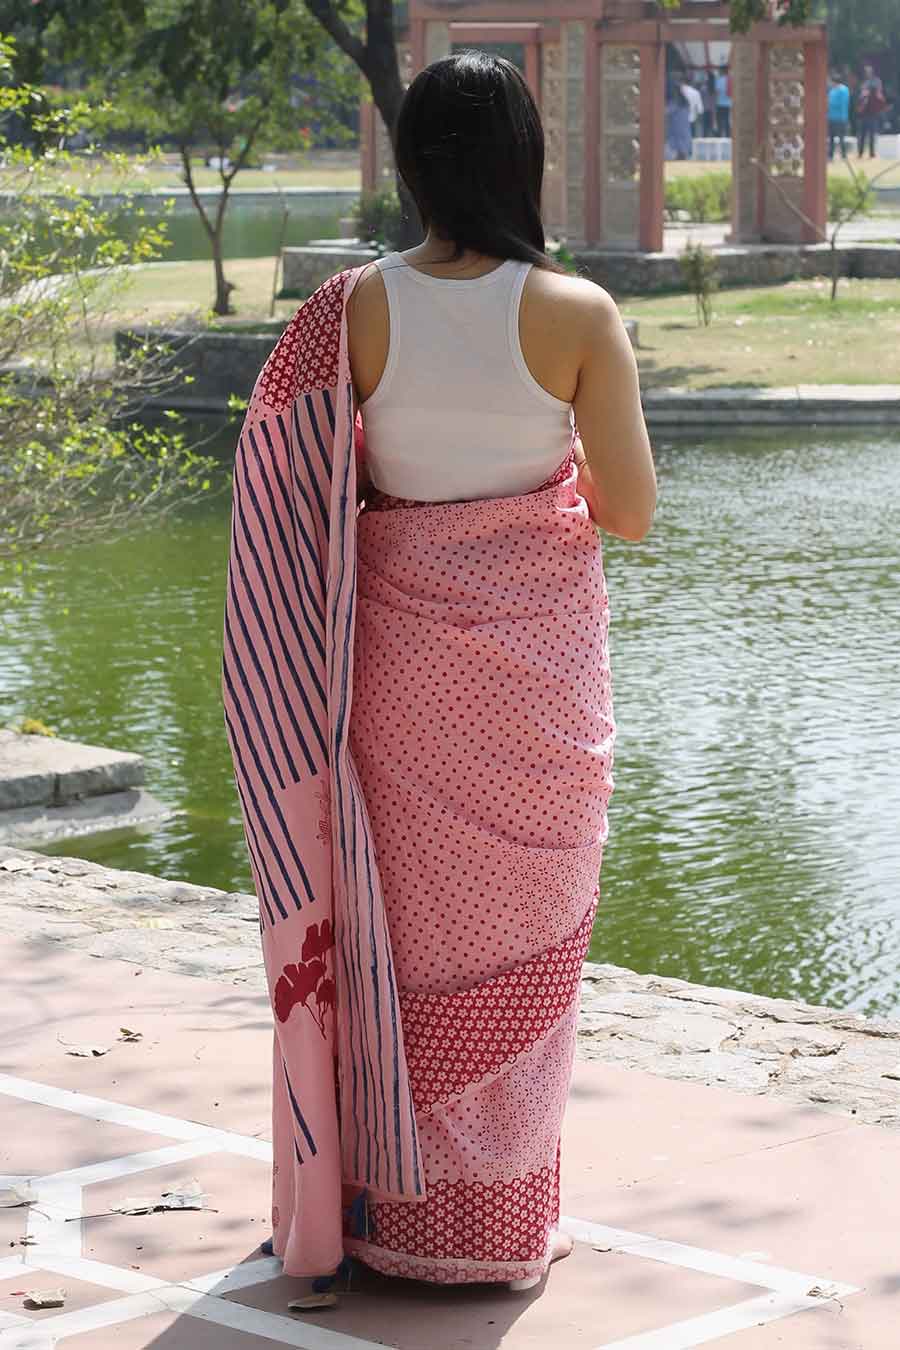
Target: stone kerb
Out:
[841,1060]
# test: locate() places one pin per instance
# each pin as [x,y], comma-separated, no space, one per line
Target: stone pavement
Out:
[840,1061]
[701,1216]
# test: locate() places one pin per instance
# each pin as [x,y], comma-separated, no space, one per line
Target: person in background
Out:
[695,106]
[679,142]
[838,114]
[870,106]
[723,102]
[709,103]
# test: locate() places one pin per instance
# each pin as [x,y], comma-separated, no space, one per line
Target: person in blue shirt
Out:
[838,114]
[723,102]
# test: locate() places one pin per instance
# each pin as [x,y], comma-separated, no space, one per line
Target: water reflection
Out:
[753,837]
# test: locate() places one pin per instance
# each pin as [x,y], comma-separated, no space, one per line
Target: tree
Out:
[743,14]
[224,74]
[74,458]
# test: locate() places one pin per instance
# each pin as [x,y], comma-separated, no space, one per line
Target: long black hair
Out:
[470,148]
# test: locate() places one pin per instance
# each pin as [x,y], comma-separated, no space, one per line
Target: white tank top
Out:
[457,415]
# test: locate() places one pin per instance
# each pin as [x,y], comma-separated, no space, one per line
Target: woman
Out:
[679,140]
[425,916]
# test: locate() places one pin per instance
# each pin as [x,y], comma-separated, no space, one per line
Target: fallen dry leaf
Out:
[23,1194]
[133,1204]
[188,1196]
[822,1291]
[128,1035]
[312,1302]
[154,921]
[45,1298]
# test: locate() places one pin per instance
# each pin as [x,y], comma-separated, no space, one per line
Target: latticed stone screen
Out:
[786,111]
[553,115]
[620,144]
[575,34]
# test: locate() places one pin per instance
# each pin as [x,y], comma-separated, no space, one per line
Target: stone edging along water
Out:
[222,363]
[842,1061]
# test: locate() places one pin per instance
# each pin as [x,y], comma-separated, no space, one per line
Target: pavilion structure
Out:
[597,69]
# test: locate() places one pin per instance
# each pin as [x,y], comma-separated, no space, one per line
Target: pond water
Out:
[754,840]
[253,230]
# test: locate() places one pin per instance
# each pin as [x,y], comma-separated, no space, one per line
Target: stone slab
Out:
[36,825]
[44,770]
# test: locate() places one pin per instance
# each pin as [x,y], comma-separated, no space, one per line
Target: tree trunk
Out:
[222,302]
[387,94]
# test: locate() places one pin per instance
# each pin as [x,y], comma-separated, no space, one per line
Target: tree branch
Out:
[185,153]
[334,25]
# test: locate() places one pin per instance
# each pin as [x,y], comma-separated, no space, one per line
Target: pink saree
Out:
[418,704]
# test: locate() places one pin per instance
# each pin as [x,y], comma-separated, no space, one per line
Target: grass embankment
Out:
[774,335]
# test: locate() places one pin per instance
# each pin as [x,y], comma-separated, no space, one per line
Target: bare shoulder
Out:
[368,331]
[368,294]
[575,301]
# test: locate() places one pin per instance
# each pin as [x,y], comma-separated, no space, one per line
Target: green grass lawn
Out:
[773,335]
[320,168]
[161,292]
[695,168]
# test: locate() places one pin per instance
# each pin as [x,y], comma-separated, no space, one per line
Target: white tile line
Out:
[129,1163]
[117,1113]
[232,1278]
[275,1327]
[11,1267]
[58,1250]
[713,1325]
[13,1320]
[98,1108]
[84,1268]
[776,1278]
[54,1221]
[98,1315]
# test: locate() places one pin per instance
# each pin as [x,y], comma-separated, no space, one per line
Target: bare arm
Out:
[619,472]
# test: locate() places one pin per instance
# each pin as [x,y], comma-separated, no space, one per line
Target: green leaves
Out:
[74,461]
[744,13]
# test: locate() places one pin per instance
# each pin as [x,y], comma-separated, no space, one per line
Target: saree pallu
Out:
[417,703]
[482,733]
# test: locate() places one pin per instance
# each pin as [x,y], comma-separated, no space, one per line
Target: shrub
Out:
[705,198]
[844,195]
[379,218]
[700,269]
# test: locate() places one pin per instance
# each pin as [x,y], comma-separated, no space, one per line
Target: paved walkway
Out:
[867,229]
[703,1215]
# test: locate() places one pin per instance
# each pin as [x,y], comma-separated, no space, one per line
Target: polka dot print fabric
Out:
[482,733]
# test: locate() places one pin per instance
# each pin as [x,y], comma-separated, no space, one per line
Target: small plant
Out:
[33,726]
[848,194]
[700,269]
[379,219]
[560,252]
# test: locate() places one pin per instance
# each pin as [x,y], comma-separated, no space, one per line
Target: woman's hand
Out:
[585,485]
